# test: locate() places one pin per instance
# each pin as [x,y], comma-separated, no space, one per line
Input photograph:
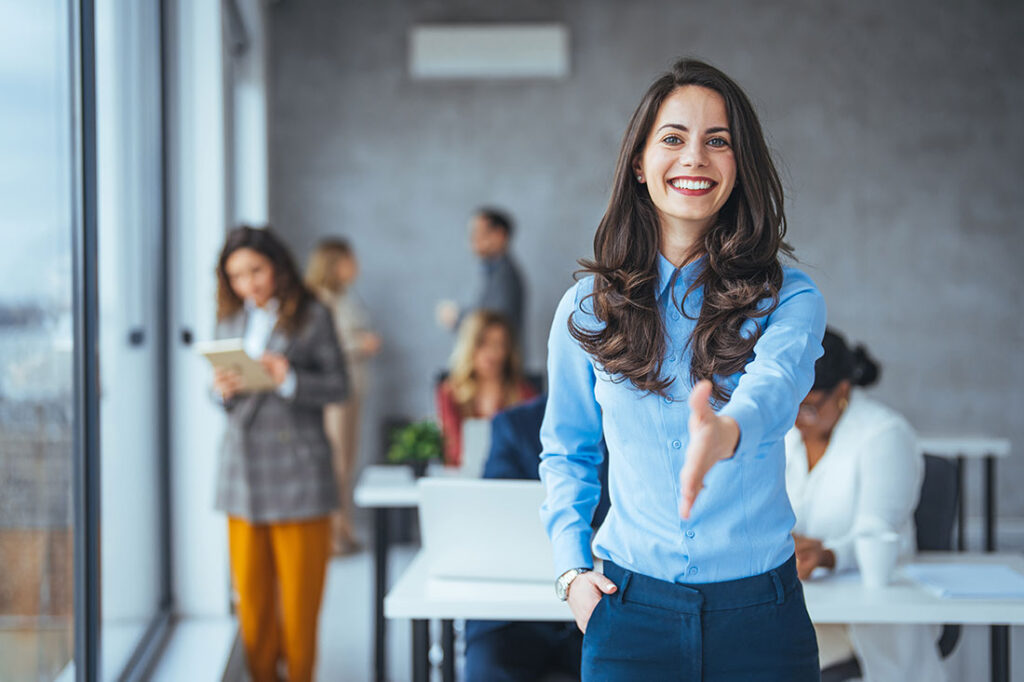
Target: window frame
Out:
[86,452]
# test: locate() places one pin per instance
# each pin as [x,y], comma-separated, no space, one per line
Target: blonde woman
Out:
[484,378]
[333,269]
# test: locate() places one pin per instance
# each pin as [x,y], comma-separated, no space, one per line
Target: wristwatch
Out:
[563,581]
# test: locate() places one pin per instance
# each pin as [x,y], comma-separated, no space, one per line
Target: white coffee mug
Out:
[876,556]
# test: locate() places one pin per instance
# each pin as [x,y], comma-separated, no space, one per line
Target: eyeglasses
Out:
[810,410]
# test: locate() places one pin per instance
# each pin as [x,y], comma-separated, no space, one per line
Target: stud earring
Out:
[639,178]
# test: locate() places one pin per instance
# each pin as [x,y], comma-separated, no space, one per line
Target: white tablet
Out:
[230,354]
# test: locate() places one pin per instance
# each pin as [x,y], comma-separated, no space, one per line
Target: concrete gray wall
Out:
[897,126]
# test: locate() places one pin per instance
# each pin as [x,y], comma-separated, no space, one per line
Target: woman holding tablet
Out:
[275,481]
[689,348]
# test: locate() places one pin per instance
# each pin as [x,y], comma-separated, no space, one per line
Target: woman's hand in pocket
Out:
[585,591]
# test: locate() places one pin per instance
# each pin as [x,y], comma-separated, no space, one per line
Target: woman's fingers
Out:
[602,582]
[221,374]
[227,382]
[700,400]
[276,365]
[598,580]
[691,482]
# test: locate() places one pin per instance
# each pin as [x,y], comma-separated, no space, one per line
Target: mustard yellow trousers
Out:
[279,571]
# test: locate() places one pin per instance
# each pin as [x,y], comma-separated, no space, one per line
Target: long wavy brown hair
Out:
[292,296]
[741,269]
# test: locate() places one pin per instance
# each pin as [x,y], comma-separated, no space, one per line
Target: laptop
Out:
[485,528]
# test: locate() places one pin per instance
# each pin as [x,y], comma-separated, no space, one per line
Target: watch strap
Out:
[563,581]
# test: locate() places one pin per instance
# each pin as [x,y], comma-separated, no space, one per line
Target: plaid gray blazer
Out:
[275,461]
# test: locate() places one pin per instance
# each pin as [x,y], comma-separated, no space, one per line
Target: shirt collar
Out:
[269,308]
[687,274]
[493,261]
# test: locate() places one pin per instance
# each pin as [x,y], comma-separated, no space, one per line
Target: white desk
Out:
[419,598]
[390,487]
[838,599]
[962,448]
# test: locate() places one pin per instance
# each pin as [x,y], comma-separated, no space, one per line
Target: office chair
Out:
[934,518]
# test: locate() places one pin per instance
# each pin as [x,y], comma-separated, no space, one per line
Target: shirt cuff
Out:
[573,551]
[748,417]
[287,387]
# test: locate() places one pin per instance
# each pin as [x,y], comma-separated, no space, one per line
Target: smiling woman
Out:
[689,350]
[689,168]
[694,177]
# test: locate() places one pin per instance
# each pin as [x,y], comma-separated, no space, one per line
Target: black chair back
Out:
[936,510]
[935,517]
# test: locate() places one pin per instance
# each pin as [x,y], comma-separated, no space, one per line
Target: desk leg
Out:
[1000,642]
[448,646]
[990,503]
[420,651]
[380,567]
[961,508]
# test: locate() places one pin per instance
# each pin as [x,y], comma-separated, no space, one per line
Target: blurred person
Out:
[853,466]
[333,269]
[484,378]
[500,651]
[501,287]
[688,348]
[275,479]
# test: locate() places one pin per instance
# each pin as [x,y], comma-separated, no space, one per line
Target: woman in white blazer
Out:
[853,466]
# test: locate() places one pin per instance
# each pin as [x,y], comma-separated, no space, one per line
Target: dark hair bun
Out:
[864,370]
[840,363]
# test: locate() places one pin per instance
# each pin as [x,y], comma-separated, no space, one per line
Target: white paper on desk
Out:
[822,574]
[968,581]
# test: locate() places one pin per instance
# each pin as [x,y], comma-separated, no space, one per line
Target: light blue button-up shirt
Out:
[740,523]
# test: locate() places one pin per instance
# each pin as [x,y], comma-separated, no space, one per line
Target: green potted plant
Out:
[416,444]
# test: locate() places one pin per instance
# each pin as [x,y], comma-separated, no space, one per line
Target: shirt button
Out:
[692,570]
[677,444]
[690,533]
[675,315]
[668,400]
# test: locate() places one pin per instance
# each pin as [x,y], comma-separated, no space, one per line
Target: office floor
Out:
[346,633]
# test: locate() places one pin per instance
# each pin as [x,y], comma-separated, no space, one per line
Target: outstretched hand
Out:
[712,438]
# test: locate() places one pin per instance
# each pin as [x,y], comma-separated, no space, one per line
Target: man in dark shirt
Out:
[501,288]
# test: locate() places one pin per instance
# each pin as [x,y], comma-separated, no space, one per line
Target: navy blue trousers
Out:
[749,630]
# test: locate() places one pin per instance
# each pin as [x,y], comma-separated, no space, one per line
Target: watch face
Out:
[562,583]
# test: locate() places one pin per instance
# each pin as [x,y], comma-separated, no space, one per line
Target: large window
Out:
[37,166]
[84,583]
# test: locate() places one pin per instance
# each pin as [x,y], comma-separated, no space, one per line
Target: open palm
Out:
[712,438]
